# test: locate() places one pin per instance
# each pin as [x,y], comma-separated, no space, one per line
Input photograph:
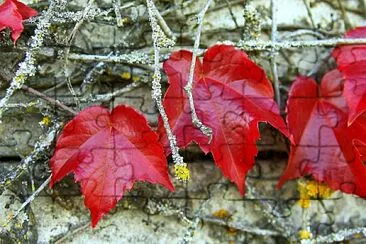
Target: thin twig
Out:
[220,6]
[281,225]
[164,26]
[67,50]
[241,227]
[108,96]
[363,6]
[268,45]
[96,70]
[137,59]
[276,82]
[345,18]
[322,60]
[31,198]
[117,5]
[233,16]
[310,15]
[188,88]
[49,99]
[303,32]
[127,5]
[194,223]
[40,95]
[72,232]
[334,5]
[341,235]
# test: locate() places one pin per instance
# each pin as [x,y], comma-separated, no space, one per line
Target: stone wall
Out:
[84,45]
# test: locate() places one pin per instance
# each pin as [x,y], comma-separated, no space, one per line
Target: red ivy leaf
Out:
[348,54]
[351,60]
[12,14]
[108,152]
[232,94]
[317,119]
[361,148]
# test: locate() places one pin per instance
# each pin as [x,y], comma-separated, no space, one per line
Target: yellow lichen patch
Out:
[226,216]
[312,190]
[304,200]
[45,121]
[122,22]
[222,214]
[182,172]
[305,235]
[318,190]
[231,231]
[10,216]
[125,75]
[19,78]
[304,203]
[325,191]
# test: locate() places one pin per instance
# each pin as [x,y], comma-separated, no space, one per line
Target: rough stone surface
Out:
[150,214]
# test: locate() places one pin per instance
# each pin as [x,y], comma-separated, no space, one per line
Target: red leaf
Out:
[349,54]
[108,152]
[351,61]
[12,14]
[361,148]
[317,119]
[232,94]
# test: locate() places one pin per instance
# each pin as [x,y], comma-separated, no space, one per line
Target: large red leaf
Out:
[351,60]
[325,144]
[12,14]
[108,152]
[232,94]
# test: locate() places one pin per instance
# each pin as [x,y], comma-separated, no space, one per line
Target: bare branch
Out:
[268,45]
[27,67]
[67,50]
[339,236]
[49,99]
[310,15]
[195,120]
[158,39]
[241,227]
[43,143]
[138,59]
[164,26]
[108,96]
[117,5]
[280,224]
[276,82]
[31,198]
